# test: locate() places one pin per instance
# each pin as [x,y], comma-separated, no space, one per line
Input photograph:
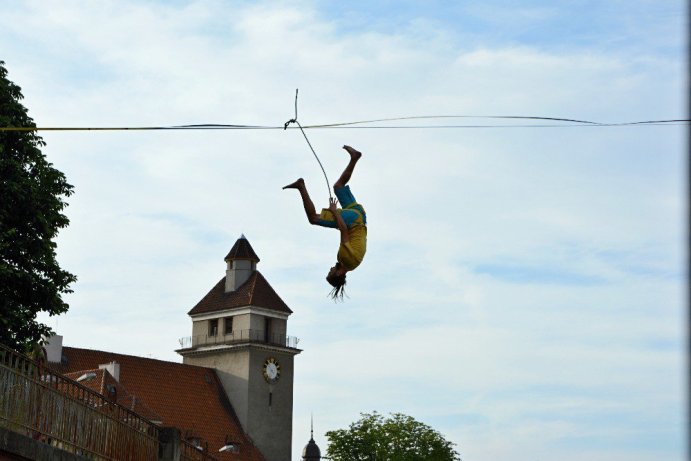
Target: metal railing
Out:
[239,336]
[54,409]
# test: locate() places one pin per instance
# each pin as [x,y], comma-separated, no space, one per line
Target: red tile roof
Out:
[100,382]
[256,291]
[188,397]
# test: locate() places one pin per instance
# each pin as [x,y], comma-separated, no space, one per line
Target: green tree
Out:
[32,195]
[396,438]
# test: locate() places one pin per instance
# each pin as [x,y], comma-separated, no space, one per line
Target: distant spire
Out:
[311,451]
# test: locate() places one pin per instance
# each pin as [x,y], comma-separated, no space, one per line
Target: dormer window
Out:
[228,325]
[213,327]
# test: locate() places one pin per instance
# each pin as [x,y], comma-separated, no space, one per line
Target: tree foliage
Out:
[396,438]
[32,194]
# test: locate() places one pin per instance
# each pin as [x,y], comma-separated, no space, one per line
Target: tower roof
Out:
[256,291]
[311,451]
[242,250]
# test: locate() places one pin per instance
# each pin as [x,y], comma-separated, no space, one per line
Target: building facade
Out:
[232,397]
[240,329]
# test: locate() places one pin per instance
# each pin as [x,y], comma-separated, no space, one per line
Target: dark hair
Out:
[338,283]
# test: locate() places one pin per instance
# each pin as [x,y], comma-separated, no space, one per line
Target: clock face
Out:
[272,370]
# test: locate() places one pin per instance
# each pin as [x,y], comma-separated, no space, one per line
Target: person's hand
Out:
[333,205]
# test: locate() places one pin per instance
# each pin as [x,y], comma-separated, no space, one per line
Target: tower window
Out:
[213,327]
[267,329]
[228,325]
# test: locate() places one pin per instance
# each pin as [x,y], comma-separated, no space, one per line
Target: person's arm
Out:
[345,236]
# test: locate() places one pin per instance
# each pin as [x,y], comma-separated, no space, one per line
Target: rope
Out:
[358,124]
[295,120]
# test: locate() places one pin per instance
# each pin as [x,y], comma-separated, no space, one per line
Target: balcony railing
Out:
[239,336]
[51,408]
[56,410]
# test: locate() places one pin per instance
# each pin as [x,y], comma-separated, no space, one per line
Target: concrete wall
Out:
[232,369]
[18,447]
[237,273]
[267,420]
[271,426]
[200,328]
[241,322]
[279,326]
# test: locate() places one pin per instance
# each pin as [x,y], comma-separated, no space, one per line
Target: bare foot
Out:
[354,154]
[299,184]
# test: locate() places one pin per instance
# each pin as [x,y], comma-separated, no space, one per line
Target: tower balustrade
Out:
[239,336]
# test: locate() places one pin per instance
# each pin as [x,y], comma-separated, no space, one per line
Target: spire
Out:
[242,250]
[311,452]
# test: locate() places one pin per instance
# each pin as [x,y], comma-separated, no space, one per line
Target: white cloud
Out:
[500,261]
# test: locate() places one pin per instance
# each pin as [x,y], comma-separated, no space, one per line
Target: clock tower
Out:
[239,328]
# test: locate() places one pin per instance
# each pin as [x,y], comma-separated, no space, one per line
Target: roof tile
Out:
[100,382]
[256,291]
[188,397]
[242,250]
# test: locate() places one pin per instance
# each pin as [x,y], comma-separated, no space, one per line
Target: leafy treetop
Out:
[395,438]
[32,194]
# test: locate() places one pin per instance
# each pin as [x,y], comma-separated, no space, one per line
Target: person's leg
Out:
[348,172]
[310,211]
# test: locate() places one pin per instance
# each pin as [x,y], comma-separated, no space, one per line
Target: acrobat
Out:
[350,220]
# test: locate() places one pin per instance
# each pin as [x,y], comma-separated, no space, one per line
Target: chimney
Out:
[241,264]
[53,347]
[113,368]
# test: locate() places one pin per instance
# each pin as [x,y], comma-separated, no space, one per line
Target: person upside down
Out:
[350,220]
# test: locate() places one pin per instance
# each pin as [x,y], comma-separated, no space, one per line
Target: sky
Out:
[523,291]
